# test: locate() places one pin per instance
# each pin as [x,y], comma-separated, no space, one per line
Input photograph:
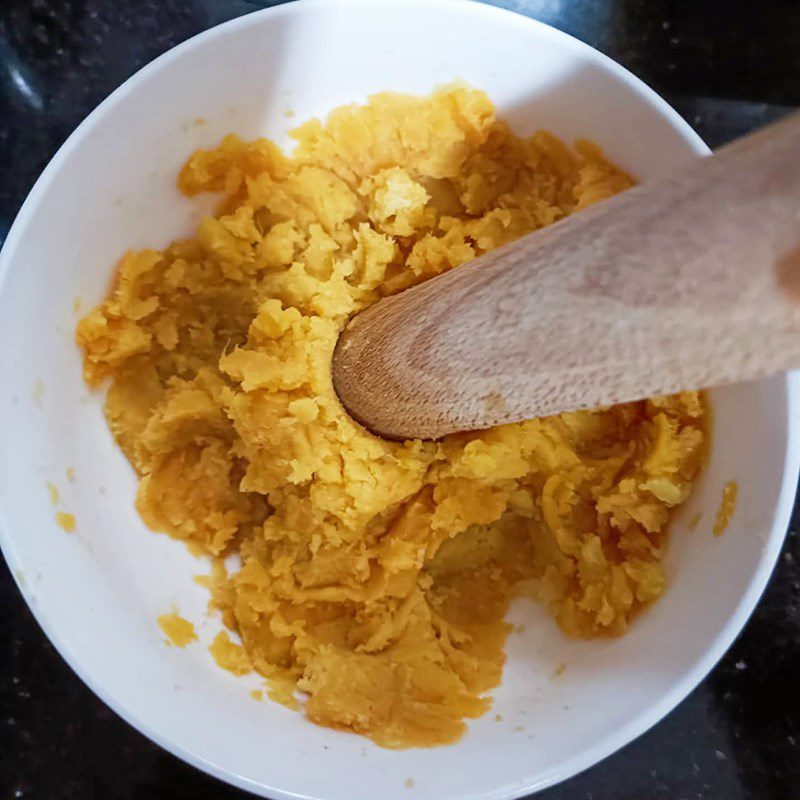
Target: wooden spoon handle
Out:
[680,284]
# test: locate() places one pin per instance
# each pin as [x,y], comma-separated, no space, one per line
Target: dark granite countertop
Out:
[727,66]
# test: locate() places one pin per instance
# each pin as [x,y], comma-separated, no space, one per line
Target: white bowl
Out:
[98,591]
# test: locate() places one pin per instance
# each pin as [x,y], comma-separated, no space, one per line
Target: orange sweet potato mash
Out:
[374,576]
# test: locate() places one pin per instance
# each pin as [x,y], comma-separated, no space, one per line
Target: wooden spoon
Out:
[686,283]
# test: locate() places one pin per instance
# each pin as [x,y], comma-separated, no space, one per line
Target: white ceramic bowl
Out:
[98,591]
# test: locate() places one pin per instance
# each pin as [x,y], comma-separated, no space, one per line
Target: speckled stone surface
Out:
[727,67]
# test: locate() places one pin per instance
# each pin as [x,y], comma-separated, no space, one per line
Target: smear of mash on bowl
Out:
[375,576]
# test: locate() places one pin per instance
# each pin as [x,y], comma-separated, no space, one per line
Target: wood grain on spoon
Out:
[685,283]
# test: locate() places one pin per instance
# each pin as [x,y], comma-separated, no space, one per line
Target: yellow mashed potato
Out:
[179,631]
[374,576]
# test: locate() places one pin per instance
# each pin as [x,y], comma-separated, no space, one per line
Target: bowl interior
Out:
[98,591]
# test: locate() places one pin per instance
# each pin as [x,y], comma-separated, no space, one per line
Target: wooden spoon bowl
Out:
[684,283]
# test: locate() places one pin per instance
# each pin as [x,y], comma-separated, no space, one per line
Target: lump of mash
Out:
[374,576]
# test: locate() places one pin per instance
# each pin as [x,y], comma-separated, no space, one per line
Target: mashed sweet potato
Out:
[374,576]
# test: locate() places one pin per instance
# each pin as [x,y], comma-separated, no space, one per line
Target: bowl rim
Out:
[714,651]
